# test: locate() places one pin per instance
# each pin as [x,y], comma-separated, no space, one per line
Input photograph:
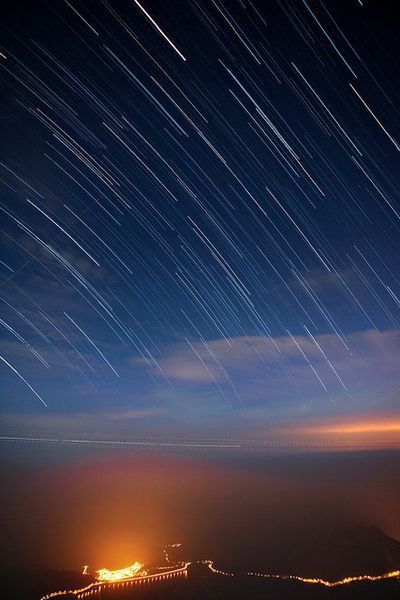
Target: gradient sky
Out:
[200,218]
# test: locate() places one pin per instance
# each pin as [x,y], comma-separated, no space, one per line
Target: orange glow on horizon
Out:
[352,431]
[356,427]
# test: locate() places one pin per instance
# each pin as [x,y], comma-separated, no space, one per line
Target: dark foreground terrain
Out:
[357,552]
[201,584]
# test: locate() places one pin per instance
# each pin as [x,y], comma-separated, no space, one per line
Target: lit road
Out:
[182,571]
[311,580]
[96,587]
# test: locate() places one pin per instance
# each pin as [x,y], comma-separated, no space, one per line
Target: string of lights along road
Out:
[135,574]
[199,199]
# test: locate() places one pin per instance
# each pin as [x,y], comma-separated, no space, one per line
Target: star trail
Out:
[200,213]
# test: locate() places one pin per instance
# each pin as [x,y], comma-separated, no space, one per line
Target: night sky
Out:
[200,217]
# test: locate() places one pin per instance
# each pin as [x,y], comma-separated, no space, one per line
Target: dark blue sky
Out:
[200,214]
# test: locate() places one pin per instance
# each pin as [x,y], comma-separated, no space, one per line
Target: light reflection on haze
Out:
[98,508]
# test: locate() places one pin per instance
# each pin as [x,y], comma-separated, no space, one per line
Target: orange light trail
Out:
[344,581]
[313,580]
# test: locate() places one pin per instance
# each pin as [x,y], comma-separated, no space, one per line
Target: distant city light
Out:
[120,574]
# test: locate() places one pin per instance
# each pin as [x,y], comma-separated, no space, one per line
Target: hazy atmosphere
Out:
[105,508]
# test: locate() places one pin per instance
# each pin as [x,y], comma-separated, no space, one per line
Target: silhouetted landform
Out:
[331,557]
[31,584]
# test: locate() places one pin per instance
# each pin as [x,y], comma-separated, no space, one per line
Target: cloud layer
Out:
[359,372]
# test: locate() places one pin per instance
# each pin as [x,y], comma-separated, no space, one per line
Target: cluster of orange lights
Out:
[134,570]
[121,577]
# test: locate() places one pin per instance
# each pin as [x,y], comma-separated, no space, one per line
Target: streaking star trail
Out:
[200,213]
